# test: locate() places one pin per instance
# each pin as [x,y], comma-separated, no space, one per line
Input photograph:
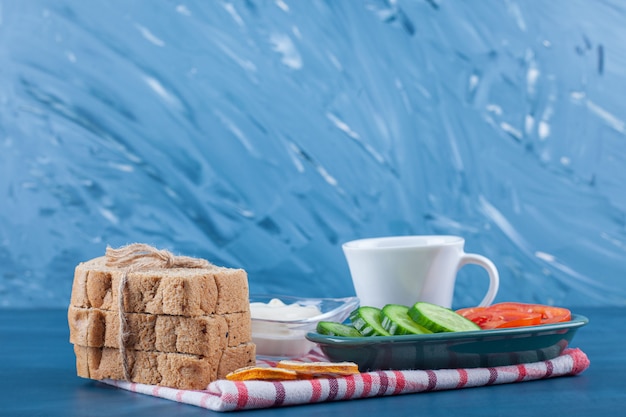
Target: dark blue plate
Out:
[473,349]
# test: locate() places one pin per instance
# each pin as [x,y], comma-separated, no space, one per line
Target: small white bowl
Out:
[285,338]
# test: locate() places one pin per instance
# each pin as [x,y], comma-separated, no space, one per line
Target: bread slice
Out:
[183,371]
[186,326]
[202,335]
[186,292]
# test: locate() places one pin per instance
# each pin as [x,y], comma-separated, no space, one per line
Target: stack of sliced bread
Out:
[186,327]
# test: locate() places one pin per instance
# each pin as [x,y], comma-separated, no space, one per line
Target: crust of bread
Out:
[183,371]
[203,335]
[185,292]
[236,357]
[186,326]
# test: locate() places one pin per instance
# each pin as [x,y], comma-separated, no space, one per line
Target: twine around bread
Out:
[136,257]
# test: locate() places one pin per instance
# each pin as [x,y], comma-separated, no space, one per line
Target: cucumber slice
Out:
[332,328]
[440,319]
[396,321]
[367,321]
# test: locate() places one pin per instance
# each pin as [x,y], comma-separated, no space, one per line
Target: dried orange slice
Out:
[262,374]
[287,370]
[317,369]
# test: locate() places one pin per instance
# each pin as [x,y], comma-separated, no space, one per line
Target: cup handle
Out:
[494,278]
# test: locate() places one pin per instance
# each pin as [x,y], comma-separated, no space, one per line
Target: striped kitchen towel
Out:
[225,395]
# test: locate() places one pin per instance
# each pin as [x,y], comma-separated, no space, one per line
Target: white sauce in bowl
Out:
[284,338]
[277,310]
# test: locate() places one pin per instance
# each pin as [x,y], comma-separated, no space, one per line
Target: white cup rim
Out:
[399,242]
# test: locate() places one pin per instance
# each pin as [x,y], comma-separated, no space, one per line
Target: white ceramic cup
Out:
[407,269]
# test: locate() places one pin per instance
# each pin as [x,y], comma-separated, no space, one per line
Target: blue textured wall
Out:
[263,134]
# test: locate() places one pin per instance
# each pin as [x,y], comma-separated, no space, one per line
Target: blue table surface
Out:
[38,378]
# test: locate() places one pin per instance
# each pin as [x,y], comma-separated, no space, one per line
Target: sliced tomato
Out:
[465,312]
[510,314]
[487,318]
[549,314]
[528,320]
[474,314]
